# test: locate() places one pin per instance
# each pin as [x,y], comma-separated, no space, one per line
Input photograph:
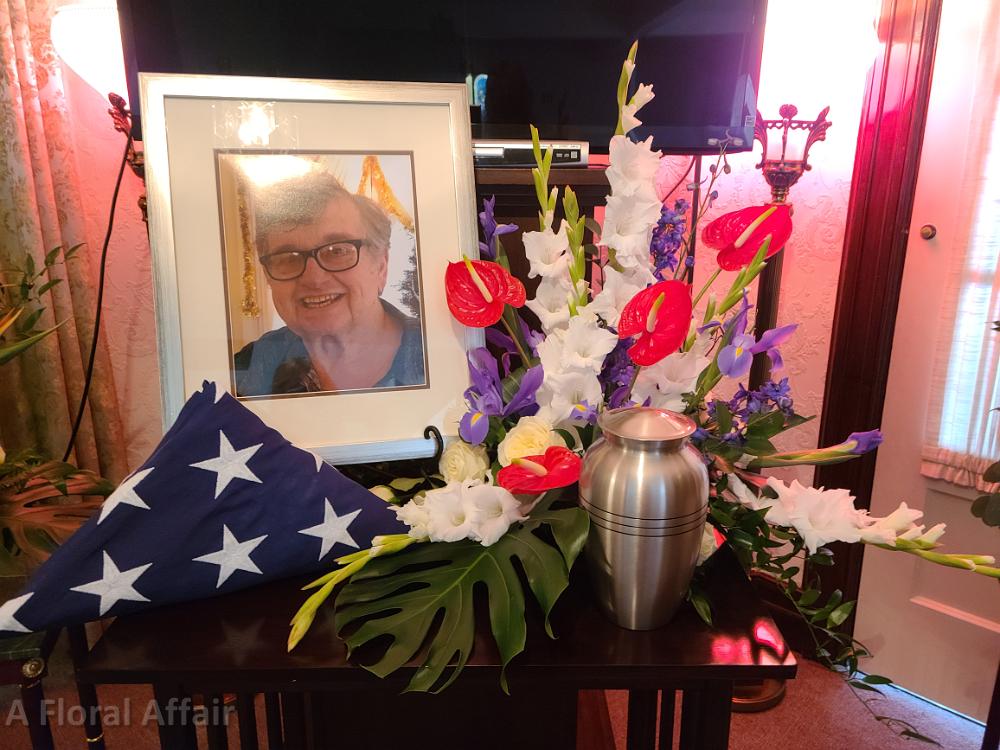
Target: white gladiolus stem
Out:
[478,281]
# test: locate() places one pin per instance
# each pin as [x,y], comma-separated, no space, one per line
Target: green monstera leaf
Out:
[408,593]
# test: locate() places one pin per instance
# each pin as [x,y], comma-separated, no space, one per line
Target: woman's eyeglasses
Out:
[286,265]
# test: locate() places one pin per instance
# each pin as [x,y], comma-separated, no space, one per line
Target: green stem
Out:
[635,377]
[705,288]
[516,337]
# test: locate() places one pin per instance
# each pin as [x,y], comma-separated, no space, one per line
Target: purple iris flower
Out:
[736,357]
[484,395]
[523,401]
[531,338]
[738,323]
[583,412]
[491,230]
[474,427]
[864,441]
[771,340]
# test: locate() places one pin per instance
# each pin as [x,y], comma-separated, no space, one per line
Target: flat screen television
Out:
[553,64]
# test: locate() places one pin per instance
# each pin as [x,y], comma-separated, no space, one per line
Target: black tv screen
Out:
[553,64]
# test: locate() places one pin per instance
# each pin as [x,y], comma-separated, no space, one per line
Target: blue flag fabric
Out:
[223,503]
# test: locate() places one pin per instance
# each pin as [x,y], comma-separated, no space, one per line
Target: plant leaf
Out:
[7,353]
[404,596]
[405,484]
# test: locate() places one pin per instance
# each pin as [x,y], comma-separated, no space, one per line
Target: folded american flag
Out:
[223,503]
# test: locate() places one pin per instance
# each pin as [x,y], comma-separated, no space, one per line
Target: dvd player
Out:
[497,153]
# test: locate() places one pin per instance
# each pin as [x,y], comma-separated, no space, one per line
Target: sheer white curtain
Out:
[963,431]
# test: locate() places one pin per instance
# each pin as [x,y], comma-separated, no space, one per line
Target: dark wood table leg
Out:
[39,730]
[641,720]
[86,692]
[991,737]
[293,720]
[176,718]
[705,715]
[215,726]
[667,707]
[247,715]
[272,712]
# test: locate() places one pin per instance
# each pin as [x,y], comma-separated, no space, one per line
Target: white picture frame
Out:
[187,121]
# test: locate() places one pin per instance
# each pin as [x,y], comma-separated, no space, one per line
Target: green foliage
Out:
[42,503]
[426,595]
[987,506]
[21,290]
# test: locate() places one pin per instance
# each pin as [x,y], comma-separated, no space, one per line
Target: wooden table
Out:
[315,699]
[24,662]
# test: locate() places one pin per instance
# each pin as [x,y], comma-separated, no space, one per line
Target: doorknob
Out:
[928,231]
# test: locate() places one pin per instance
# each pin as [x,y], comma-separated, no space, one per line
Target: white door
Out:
[935,631]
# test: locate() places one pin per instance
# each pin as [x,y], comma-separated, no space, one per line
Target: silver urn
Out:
[646,490]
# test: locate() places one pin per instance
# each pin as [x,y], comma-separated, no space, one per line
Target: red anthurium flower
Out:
[659,317]
[477,291]
[559,467]
[738,235]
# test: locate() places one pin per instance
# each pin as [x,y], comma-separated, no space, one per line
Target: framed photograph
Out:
[300,233]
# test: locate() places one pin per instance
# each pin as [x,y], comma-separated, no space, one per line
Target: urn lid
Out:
[645,425]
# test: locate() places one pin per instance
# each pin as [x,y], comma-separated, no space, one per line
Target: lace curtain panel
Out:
[40,209]
[963,431]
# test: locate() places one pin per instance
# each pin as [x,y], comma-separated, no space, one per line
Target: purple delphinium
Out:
[491,230]
[618,366]
[745,404]
[668,236]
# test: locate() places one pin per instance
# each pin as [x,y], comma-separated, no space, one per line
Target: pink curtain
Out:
[40,208]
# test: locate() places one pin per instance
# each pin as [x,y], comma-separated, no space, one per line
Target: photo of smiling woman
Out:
[322,280]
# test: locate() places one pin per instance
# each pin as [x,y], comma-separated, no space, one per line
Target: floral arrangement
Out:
[631,332]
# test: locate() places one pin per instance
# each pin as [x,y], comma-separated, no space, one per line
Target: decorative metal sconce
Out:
[122,118]
[781,170]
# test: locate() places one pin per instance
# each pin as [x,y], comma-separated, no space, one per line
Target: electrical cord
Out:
[100,301]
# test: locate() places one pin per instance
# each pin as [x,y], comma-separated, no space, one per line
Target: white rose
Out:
[461,462]
[529,437]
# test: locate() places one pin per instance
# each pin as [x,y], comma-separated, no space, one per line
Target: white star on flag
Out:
[234,555]
[333,529]
[230,464]
[126,494]
[7,612]
[115,585]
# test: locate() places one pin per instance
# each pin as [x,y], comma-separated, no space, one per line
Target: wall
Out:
[128,304]
[816,53]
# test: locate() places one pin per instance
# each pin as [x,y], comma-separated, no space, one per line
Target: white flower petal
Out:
[547,252]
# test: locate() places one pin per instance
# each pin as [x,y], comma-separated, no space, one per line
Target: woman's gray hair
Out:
[301,200]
